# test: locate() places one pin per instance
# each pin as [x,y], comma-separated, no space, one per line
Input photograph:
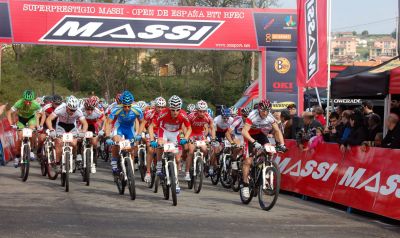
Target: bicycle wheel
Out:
[156,183]
[131,178]
[67,168]
[173,183]
[142,167]
[198,179]
[88,166]
[267,197]
[215,176]
[225,177]
[251,191]
[43,163]
[51,165]
[165,188]
[153,176]
[190,183]
[25,163]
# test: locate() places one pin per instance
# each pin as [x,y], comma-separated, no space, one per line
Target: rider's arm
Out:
[141,127]
[42,118]
[228,135]
[137,126]
[107,126]
[277,133]
[151,131]
[245,133]
[188,132]
[211,130]
[84,124]
[49,120]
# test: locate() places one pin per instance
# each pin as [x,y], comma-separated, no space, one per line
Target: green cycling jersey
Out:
[26,111]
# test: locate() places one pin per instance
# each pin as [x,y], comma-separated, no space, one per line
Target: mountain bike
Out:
[27,134]
[126,169]
[196,171]
[86,164]
[49,157]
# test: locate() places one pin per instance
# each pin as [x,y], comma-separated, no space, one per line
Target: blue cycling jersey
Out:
[126,119]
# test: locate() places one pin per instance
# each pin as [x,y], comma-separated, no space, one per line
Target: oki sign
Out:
[95,24]
[368,181]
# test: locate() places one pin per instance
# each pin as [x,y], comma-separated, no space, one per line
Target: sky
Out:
[375,16]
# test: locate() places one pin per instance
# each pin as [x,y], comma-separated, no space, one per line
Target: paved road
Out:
[40,208]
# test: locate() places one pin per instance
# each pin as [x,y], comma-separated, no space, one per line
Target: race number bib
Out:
[125,145]
[269,148]
[227,144]
[88,134]
[170,147]
[68,137]
[27,132]
[200,143]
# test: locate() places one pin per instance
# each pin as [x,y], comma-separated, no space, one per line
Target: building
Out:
[385,46]
[343,47]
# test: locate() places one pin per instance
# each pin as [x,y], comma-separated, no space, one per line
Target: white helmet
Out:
[141,104]
[202,105]
[175,102]
[234,111]
[72,103]
[191,107]
[160,102]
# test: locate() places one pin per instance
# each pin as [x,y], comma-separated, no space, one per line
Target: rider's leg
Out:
[189,160]
[114,152]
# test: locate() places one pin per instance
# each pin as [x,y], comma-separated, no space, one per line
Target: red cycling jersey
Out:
[149,116]
[167,123]
[198,123]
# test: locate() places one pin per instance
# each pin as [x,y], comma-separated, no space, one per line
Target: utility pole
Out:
[253,55]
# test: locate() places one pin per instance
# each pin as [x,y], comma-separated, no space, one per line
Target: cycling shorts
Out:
[22,121]
[62,128]
[260,138]
[220,136]
[127,132]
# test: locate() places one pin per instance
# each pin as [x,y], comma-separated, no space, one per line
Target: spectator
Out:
[345,123]
[367,107]
[340,109]
[319,115]
[374,126]
[285,119]
[315,140]
[332,132]
[357,134]
[395,107]
[376,143]
[392,138]
[2,108]
[308,130]
[295,121]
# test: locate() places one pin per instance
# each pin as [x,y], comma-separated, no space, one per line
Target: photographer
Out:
[332,132]
[308,130]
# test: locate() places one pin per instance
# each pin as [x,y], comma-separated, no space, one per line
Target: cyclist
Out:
[236,130]
[199,119]
[95,118]
[56,101]
[126,118]
[67,115]
[150,116]
[26,109]
[234,111]
[142,105]
[190,108]
[257,126]
[169,122]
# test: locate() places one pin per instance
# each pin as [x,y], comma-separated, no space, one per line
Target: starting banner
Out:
[117,25]
[368,181]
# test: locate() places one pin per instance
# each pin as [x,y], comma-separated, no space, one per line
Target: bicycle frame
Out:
[87,146]
[67,148]
[124,154]
[168,158]
[49,147]
[142,147]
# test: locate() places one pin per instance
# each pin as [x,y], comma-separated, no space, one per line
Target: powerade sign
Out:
[311,38]
[131,31]
[276,29]
[5,29]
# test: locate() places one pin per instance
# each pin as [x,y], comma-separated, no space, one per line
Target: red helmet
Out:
[265,105]
[117,98]
[91,102]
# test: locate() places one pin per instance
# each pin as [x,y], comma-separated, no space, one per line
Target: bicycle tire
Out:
[165,188]
[274,192]
[152,175]
[215,177]
[51,167]
[43,164]
[67,158]
[156,183]
[173,183]
[142,167]
[25,163]
[88,167]
[251,188]
[225,176]
[198,179]
[131,179]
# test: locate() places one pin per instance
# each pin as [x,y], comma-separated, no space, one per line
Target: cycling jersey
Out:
[258,124]
[165,122]
[24,110]
[236,127]
[221,125]
[63,117]
[125,121]
[149,116]
[110,108]
[48,108]
[93,118]
[198,123]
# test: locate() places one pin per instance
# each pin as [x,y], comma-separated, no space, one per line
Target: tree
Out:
[364,33]
[354,33]
[394,34]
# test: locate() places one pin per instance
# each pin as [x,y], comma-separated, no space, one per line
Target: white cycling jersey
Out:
[258,124]
[64,117]
[221,125]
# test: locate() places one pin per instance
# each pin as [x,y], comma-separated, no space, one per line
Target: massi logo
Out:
[88,29]
[290,23]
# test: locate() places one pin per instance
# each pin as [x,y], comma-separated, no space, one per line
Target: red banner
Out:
[312,69]
[147,26]
[369,181]
[7,135]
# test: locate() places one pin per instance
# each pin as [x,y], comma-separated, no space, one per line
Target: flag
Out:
[312,52]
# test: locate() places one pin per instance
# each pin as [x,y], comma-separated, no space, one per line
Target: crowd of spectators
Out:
[359,126]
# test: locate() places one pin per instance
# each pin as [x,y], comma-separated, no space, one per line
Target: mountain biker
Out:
[234,133]
[190,108]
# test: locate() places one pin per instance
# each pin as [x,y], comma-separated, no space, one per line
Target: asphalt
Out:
[41,208]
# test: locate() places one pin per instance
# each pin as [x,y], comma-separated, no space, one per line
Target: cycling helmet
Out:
[29,95]
[175,102]
[81,102]
[264,105]
[210,112]
[72,103]
[57,99]
[245,111]
[191,107]
[160,102]
[127,98]
[141,104]
[154,103]
[234,111]
[118,98]
[91,103]
[226,112]
[39,100]
[202,105]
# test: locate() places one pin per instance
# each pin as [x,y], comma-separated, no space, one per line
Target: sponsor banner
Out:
[5,28]
[312,66]
[276,30]
[369,181]
[281,77]
[118,25]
